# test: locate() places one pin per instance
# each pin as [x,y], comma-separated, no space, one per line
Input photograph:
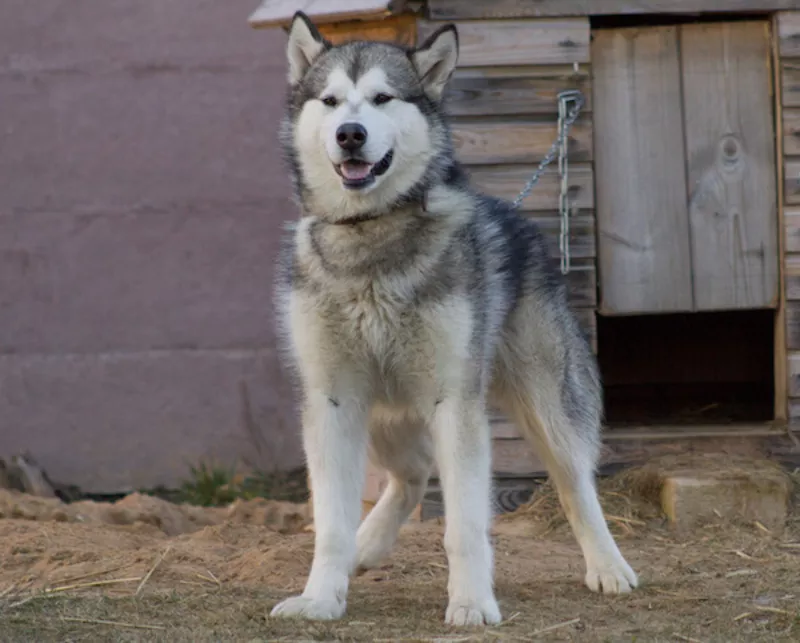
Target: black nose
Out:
[351,136]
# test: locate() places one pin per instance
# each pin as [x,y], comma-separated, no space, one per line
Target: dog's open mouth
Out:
[357,174]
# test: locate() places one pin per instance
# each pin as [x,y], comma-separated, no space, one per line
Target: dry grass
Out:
[723,582]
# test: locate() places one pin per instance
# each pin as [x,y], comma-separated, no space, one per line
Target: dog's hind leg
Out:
[406,453]
[561,420]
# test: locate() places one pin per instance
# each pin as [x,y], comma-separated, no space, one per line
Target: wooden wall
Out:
[504,110]
[788,93]
[503,106]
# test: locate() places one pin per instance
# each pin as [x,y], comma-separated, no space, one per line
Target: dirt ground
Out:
[151,571]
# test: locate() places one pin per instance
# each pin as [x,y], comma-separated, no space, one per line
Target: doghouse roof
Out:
[274,13]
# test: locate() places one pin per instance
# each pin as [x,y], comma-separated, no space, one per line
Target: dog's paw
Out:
[462,613]
[311,609]
[613,576]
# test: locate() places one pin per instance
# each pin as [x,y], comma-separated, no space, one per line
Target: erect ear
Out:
[305,44]
[435,60]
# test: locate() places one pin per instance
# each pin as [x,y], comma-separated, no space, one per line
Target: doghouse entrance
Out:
[696,368]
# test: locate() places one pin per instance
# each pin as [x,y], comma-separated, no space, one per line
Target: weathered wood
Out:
[508,494]
[498,91]
[790,83]
[479,9]
[793,279]
[484,142]
[273,13]
[794,411]
[791,181]
[780,337]
[793,318]
[643,224]
[792,303]
[515,458]
[791,131]
[505,182]
[730,157]
[515,42]
[794,374]
[582,239]
[402,29]
[788,24]
[792,228]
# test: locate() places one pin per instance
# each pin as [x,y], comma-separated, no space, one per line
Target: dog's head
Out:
[365,131]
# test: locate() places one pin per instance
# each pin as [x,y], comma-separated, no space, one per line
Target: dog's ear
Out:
[305,44]
[435,60]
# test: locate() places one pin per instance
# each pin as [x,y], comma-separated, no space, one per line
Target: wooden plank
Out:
[401,29]
[515,42]
[481,91]
[273,13]
[730,156]
[515,458]
[791,181]
[780,338]
[794,411]
[505,182]
[790,83]
[792,229]
[643,224]
[508,494]
[481,9]
[791,131]
[788,24]
[794,373]
[528,141]
[793,320]
[582,239]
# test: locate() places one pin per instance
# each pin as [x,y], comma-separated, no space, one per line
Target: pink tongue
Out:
[355,171]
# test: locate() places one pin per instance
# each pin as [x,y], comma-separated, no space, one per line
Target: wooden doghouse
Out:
[684,193]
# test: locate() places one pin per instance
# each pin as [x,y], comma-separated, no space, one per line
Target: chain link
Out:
[566,118]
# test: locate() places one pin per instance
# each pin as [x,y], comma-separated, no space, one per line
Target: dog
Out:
[409,302]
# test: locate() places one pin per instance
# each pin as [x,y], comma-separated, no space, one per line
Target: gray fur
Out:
[374,302]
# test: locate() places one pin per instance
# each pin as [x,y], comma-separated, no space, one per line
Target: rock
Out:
[693,497]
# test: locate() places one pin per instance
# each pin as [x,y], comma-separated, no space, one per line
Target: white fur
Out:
[396,125]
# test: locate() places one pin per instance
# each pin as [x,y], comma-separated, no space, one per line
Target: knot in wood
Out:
[730,150]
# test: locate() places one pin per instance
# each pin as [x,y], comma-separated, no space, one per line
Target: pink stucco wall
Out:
[141,196]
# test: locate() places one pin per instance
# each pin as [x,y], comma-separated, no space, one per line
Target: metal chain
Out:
[566,118]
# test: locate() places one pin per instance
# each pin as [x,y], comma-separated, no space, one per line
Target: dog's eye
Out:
[330,101]
[381,99]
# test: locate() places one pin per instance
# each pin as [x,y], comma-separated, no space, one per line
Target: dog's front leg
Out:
[335,440]
[463,453]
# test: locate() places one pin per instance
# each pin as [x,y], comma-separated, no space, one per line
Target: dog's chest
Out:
[375,321]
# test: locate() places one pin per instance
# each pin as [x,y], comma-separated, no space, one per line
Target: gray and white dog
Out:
[410,302]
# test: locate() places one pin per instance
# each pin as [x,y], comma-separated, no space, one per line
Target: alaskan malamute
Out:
[409,302]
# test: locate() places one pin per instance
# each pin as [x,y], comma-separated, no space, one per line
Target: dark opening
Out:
[620,21]
[696,368]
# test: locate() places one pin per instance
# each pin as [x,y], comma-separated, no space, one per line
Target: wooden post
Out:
[780,348]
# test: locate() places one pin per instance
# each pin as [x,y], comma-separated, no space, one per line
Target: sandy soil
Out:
[151,571]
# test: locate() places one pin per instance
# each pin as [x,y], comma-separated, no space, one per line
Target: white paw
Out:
[309,608]
[462,613]
[613,576]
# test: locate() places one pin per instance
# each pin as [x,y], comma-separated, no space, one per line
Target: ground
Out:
[62,579]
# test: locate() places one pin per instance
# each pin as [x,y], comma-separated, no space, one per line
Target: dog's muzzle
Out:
[357,174]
